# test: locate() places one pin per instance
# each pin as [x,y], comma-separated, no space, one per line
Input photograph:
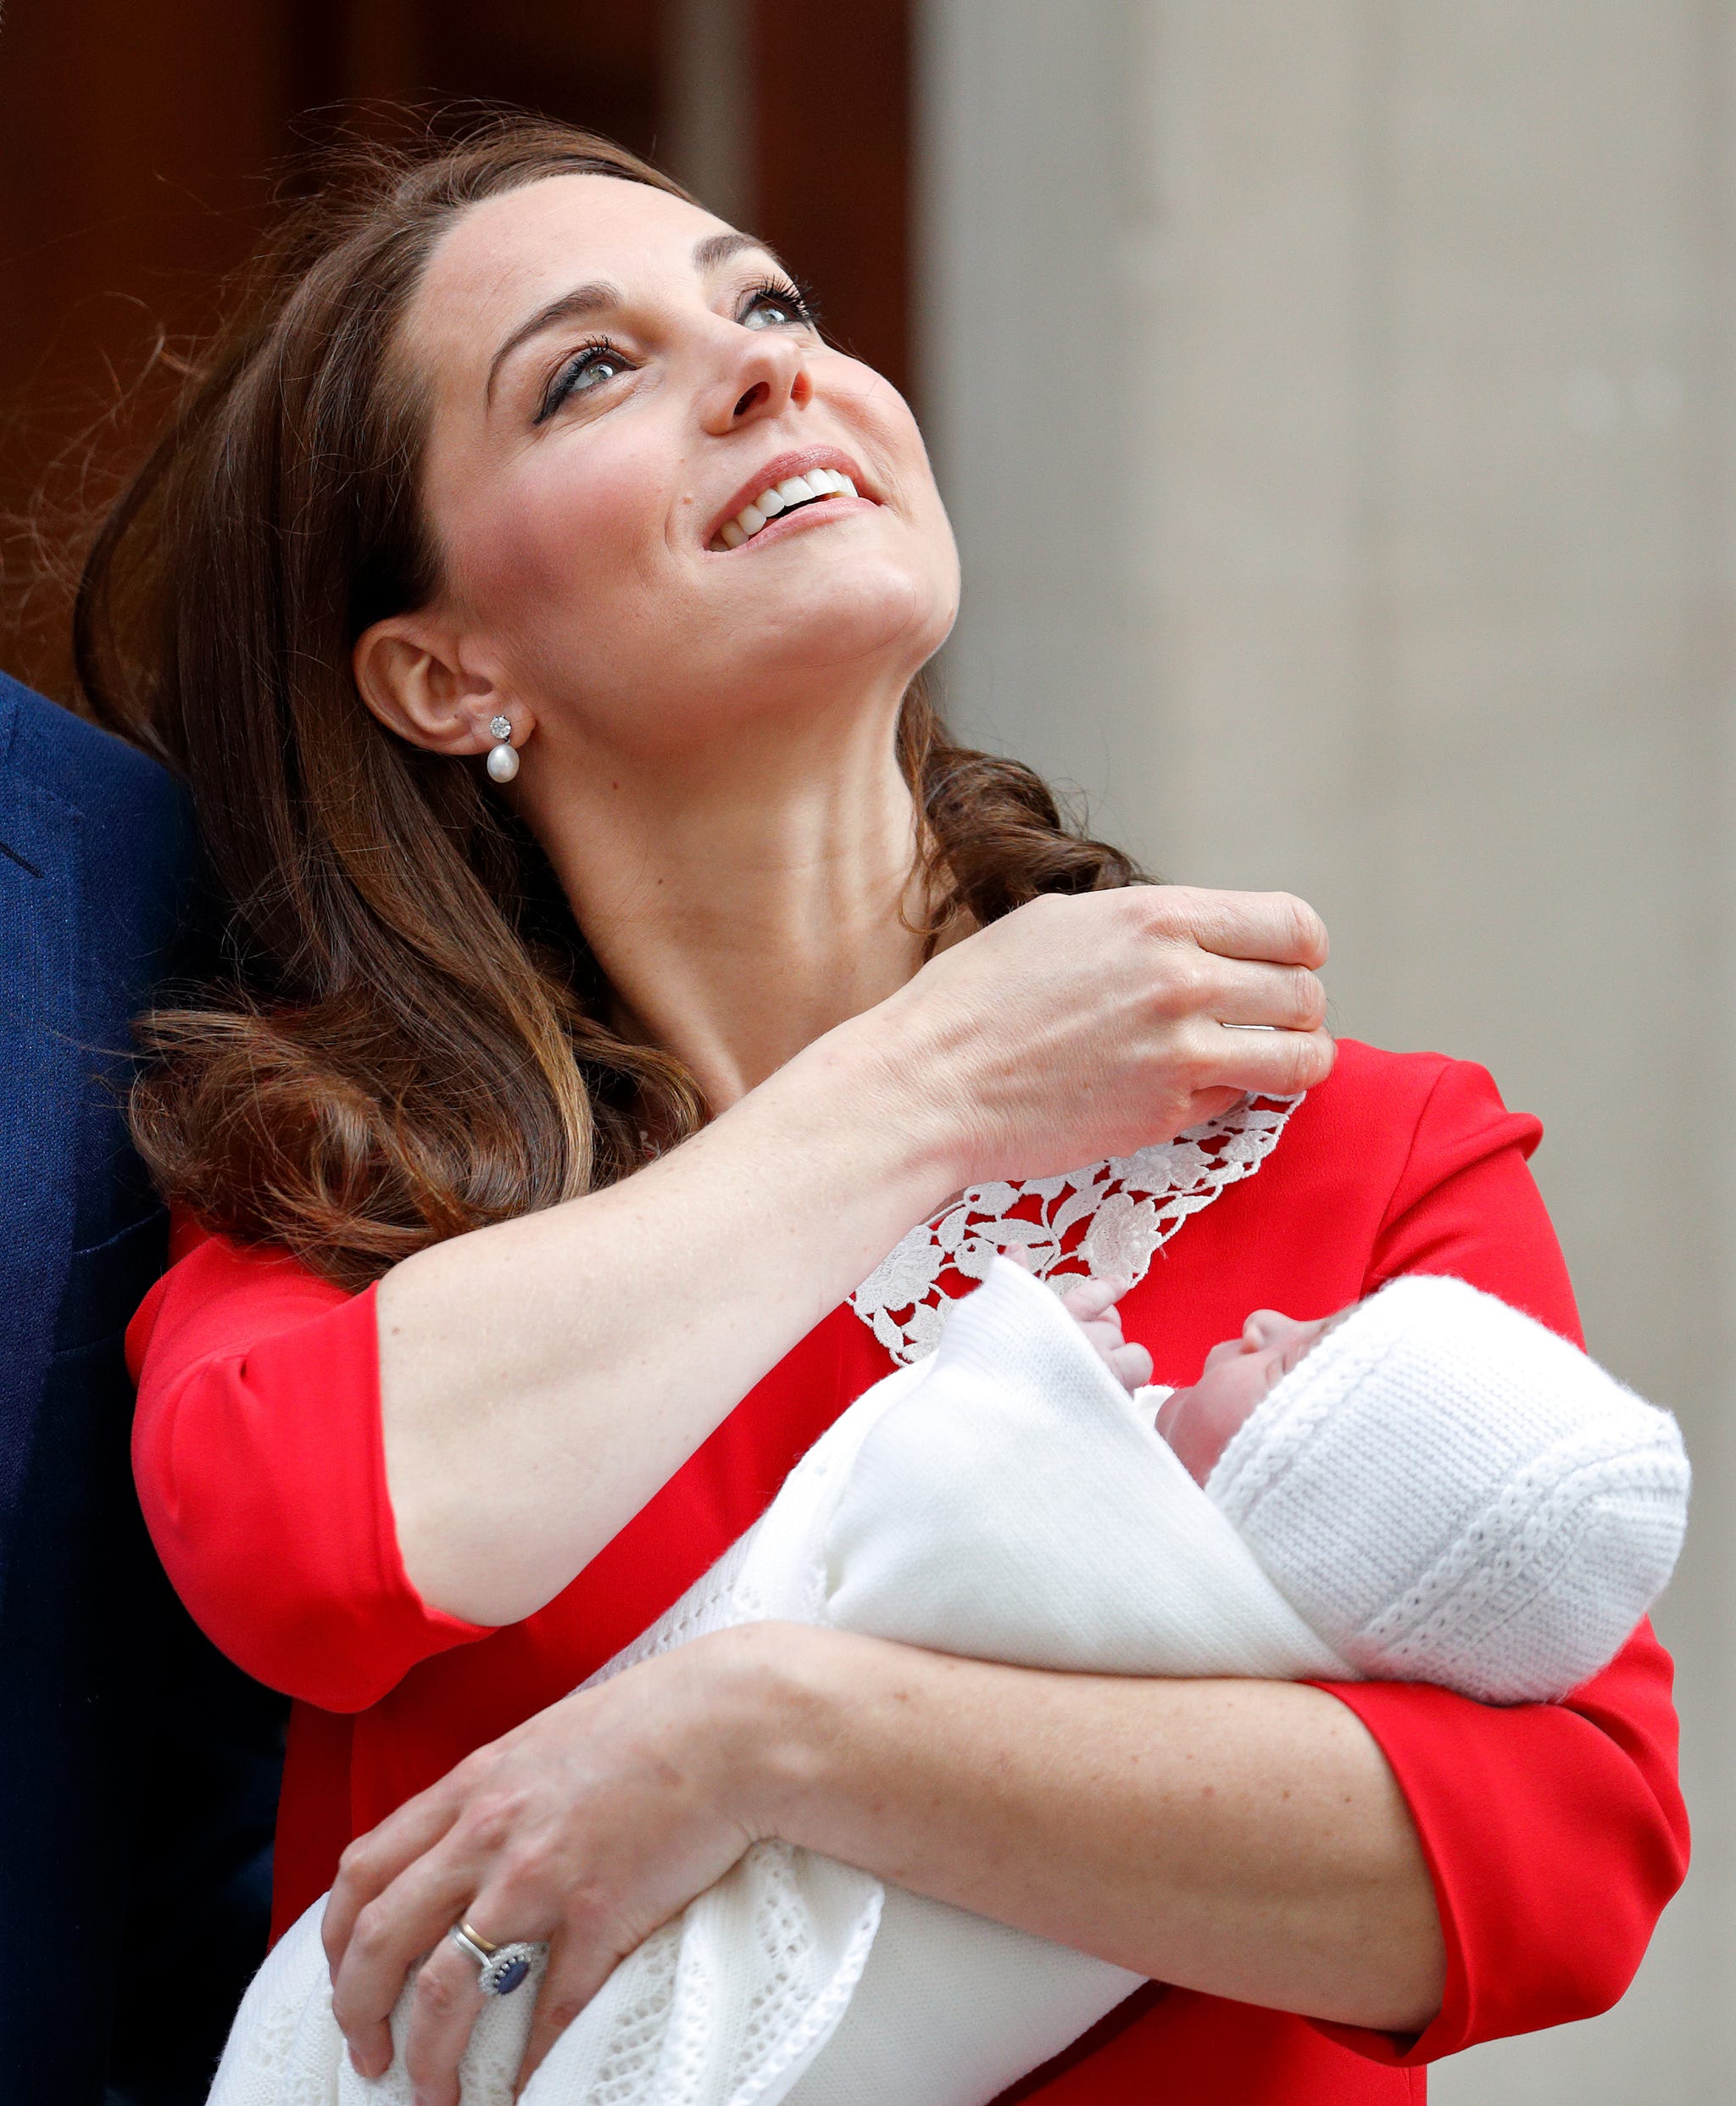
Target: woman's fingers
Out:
[1224,1062]
[367,1869]
[1285,998]
[1248,984]
[370,2048]
[574,1975]
[444,2008]
[414,1915]
[1076,1028]
[588,1824]
[1274,926]
[1256,1063]
[370,1864]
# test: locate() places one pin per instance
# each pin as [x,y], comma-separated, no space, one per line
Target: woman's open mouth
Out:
[793,483]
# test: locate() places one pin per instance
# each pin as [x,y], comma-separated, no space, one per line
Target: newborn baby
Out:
[1427,1486]
[1339,1447]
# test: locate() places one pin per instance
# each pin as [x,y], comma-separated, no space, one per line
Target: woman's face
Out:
[612,377]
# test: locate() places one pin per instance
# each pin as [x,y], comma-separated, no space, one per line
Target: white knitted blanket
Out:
[1005,1500]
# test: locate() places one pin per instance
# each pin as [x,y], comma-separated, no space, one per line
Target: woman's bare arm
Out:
[1246,1839]
[531,1409]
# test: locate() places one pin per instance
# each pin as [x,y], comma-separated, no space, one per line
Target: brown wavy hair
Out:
[405,1038]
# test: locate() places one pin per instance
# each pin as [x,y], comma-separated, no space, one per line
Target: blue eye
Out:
[777,305]
[587,368]
[593,370]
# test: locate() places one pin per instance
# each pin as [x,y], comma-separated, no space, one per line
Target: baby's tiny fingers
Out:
[1103,1337]
[1093,1299]
[1131,1367]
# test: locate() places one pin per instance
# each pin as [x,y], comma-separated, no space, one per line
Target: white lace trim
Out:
[1106,1221]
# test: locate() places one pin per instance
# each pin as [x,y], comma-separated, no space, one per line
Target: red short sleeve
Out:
[1466,1204]
[1554,1833]
[258,1453]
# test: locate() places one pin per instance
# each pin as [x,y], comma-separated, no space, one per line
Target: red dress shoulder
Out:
[1554,1833]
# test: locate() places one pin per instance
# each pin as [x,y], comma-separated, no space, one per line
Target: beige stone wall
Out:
[1336,401]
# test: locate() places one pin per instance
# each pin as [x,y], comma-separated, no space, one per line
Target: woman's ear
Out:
[407,670]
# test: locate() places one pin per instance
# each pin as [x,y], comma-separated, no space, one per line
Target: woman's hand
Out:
[1077,1028]
[588,1826]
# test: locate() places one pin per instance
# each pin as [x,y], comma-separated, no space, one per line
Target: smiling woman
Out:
[568,1144]
[408,948]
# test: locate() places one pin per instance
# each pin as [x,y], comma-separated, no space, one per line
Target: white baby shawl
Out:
[1005,1499]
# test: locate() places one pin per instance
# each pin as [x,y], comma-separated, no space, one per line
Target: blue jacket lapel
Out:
[40,950]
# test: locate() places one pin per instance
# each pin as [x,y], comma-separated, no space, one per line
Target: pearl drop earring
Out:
[503,761]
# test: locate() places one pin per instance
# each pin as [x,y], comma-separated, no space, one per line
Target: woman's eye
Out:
[773,309]
[584,372]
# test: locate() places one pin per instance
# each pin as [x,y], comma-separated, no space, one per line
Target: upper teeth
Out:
[782,497]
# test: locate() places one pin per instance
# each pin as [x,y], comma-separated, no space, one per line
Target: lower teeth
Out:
[801,505]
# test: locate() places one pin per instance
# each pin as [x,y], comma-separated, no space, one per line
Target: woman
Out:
[556,738]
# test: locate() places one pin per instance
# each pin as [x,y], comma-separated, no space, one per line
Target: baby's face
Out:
[1198,1422]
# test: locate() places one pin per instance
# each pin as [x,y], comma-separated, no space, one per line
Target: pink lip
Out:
[779,469]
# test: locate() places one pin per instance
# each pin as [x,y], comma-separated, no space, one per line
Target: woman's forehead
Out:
[503,258]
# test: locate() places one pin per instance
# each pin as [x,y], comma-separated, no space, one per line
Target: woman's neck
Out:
[742,899]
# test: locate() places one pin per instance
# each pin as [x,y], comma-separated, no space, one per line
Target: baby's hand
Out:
[1093,1304]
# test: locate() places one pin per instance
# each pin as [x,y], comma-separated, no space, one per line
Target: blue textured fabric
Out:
[111,1705]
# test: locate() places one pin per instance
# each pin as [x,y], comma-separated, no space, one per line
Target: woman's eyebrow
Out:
[583,299]
[718,248]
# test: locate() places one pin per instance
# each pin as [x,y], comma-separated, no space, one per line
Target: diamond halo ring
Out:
[501,1968]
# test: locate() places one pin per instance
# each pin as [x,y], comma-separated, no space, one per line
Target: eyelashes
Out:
[782,292]
[600,360]
[594,357]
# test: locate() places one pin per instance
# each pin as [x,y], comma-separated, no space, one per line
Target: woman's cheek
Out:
[555,541]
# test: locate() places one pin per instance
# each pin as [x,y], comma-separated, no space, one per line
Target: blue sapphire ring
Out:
[504,1967]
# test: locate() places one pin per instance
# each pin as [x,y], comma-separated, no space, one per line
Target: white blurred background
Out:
[1337,405]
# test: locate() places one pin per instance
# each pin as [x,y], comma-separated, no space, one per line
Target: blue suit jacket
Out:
[137,1777]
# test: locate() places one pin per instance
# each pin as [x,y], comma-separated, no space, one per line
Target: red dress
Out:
[1554,1833]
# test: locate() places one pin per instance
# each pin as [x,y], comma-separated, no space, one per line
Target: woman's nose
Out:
[764,373]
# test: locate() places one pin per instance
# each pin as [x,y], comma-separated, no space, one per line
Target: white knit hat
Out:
[1447,1492]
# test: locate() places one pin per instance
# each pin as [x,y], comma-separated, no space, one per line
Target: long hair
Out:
[406,1038]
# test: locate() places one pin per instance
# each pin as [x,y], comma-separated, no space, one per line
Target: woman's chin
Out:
[860,614]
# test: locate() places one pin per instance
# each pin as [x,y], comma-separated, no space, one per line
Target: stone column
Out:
[1335,403]
[708,128]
